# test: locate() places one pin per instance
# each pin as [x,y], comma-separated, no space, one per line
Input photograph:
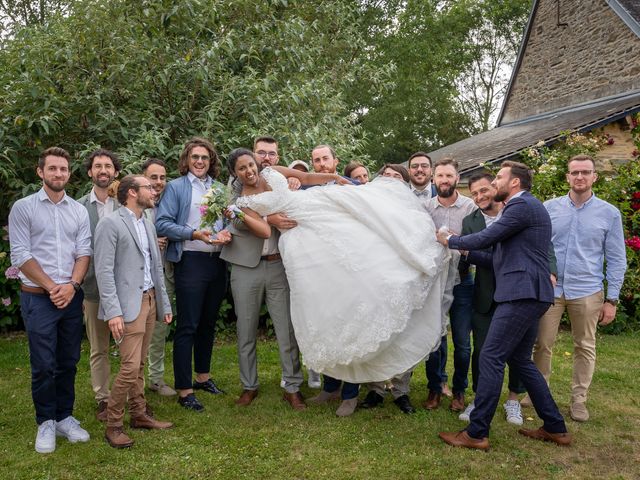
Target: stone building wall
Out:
[595,56]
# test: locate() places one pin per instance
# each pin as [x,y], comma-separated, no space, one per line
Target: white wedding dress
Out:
[366,274]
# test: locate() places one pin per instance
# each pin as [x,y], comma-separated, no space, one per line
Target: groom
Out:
[520,240]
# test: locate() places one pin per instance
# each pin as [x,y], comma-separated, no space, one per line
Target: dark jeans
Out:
[349,390]
[510,339]
[54,350]
[460,319]
[201,284]
[480,326]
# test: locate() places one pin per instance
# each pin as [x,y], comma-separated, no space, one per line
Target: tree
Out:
[140,77]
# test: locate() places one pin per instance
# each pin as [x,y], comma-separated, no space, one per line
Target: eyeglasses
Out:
[148,187]
[584,173]
[204,158]
[262,153]
[423,166]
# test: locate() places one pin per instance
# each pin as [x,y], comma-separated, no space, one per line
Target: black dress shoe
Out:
[190,402]
[372,400]
[404,404]
[207,386]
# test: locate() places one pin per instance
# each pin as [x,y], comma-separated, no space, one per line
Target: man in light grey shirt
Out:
[51,245]
[448,209]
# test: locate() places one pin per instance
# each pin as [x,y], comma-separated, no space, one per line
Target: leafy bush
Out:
[9,287]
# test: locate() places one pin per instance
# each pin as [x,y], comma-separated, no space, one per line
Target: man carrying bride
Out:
[395,319]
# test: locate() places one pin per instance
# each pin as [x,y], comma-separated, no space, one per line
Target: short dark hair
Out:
[265,139]
[54,152]
[521,172]
[126,184]
[102,152]
[420,154]
[233,157]
[582,158]
[351,166]
[480,176]
[153,161]
[214,162]
[333,152]
[446,161]
[397,168]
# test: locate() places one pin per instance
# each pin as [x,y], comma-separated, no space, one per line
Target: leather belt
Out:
[28,289]
[271,258]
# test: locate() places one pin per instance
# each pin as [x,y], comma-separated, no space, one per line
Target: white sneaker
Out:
[282,383]
[513,411]
[46,438]
[70,429]
[466,415]
[314,379]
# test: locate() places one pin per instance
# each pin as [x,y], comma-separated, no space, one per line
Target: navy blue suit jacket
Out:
[520,240]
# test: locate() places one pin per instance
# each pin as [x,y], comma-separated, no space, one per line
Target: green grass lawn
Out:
[270,440]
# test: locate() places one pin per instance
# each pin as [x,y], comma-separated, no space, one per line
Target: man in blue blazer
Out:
[524,292]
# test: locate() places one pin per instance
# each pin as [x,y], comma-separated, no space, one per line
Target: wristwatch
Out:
[76,285]
[611,301]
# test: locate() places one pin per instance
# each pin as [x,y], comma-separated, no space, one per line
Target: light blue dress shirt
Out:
[53,234]
[583,239]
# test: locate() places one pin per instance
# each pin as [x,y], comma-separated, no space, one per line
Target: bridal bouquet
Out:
[214,203]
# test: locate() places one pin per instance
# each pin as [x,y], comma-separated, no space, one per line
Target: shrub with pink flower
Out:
[12,273]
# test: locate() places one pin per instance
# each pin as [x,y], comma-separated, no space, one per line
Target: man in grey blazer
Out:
[129,272]
[258,274]
[102,166]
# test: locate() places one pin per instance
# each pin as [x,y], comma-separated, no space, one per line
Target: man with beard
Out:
[50,243]
[155,171]
[419,167]
[103,167]
[483,193]
[324,160]
[448,209]
[128,268]
[524,292]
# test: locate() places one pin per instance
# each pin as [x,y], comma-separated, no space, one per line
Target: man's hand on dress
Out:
[62,294]
[607,314]
[294,183]
[281,221]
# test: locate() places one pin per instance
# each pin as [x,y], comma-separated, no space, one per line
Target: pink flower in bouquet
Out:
[12,273]
[6,301]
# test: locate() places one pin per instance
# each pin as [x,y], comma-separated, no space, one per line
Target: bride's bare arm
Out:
[311,178]
[254,222]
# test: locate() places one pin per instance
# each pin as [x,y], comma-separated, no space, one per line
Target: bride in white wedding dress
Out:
[366,274]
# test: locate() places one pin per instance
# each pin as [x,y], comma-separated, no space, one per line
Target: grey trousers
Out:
[250,287]
[399,385]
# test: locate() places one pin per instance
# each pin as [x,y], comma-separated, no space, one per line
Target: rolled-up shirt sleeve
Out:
[83,239]
[20,234]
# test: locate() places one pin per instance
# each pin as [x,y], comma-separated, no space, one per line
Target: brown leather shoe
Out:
[542,434]
[295,400]
[116,437]
[457,404]
[462,439]
[147,421]
[101,412]
[246,397]
[433,400]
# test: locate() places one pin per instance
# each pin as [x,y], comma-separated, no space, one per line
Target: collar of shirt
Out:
[426,191]
[42,196]
[570,201]
[133,215]
[519,194]
[460,201]
[94,199]
[206,183]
